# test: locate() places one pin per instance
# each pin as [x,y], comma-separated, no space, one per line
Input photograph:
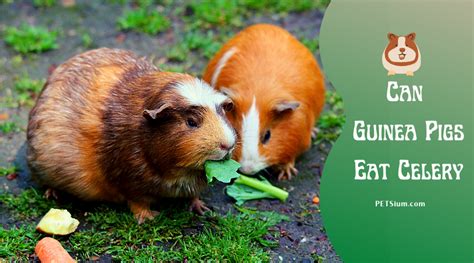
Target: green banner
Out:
[398,184]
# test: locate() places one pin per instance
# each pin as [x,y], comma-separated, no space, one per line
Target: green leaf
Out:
[223,171]
[242,193]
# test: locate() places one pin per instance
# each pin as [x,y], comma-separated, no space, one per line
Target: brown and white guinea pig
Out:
[401,56]
[278,93]
[109,126]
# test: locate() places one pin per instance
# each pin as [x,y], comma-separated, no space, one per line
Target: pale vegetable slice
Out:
[57,222]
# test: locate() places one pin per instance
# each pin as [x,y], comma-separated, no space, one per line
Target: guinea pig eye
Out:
[229,106]
[191,123]
[266,137]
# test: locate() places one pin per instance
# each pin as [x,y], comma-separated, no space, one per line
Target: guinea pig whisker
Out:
[267,172]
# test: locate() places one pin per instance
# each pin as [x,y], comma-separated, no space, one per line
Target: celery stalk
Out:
[270,189]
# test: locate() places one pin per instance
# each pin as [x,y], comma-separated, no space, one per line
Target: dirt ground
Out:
[301,237]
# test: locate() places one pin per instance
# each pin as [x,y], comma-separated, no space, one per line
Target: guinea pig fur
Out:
[278,93]
[401,56]
[109,126]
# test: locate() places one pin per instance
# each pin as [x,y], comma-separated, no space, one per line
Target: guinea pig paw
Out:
[144,215]
[198,206]
[287,172]
[391,73]
[314,133]
[51,194]
[410,74]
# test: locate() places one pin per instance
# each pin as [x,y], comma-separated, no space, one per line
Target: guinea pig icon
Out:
[402,55]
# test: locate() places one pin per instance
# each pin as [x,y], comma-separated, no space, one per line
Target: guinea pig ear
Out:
[411,36]
[228,92]
[285,106]
[153,114]
[391,36]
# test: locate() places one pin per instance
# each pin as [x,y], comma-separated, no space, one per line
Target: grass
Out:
[311,44]
[180,68]
[177,53]
[216,12]
[27,85]
[27,39]
[331,121]
[171,236]
[8,170]
[233,12]
[17,242]
[144,20]
[175,235]
[317,258]
[284,5]
[27,90]
[28,205]
[87,40]
[7,127]
[206,43]
[44,3]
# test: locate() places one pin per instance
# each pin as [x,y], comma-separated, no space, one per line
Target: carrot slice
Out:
[49,250]
[316,200]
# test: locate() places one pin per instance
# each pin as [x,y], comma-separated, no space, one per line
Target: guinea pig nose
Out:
[226,147]
[402,49]
[243,170]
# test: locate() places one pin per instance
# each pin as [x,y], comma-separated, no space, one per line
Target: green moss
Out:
[27,38]
[144,20]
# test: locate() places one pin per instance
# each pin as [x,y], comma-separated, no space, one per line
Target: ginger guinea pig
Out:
[278,93]
[401,56]
[109,126]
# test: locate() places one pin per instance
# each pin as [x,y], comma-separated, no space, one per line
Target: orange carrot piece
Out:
[49,250]
[316,200]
